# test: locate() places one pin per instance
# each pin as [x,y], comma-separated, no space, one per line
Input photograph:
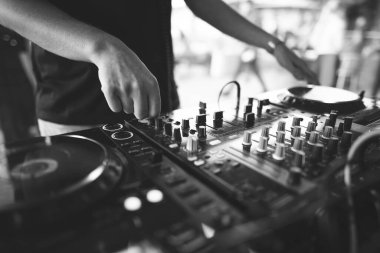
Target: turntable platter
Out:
[321,99]
[59,175]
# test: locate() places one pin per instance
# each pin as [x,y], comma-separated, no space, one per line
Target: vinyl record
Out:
[48,178]
[321,99]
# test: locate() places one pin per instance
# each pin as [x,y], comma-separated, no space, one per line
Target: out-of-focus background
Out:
[339,40]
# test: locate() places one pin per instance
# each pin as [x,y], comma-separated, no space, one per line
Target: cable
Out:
[237,94]
[355,154]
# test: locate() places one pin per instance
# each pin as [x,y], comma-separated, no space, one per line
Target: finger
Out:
[127,105]
[140,104]
[112,100]
[154,99]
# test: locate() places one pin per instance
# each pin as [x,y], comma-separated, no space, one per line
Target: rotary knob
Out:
[263,145]
[247,142]
[168,129]
[177,134]
[279,152]
[281,126]
[192,144]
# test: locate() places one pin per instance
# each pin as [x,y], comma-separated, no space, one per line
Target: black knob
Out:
[218,115]
[340,130]
[202,132]
[168,129]
[202,108]
[332,146]
[249,120]
[250,101]
[218,119]
[185,124]
[158,124]
[347,123]
[200,120]
[333,116]
[177,134]
[316,153]
[345,142]
[327,123]
[294,177]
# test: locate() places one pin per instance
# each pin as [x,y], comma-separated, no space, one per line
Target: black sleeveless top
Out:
[68,92]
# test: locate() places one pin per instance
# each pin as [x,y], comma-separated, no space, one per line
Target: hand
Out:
[127,84]
[290,61]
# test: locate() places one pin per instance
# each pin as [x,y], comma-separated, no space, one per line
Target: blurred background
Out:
[339,40]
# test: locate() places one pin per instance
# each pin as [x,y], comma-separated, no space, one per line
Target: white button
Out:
[132,203]
[173,145]
[199,162]
[154,196]
[214,142]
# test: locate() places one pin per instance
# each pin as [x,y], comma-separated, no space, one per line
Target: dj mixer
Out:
[266,177]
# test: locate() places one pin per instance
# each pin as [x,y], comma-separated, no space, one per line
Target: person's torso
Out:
[69,91]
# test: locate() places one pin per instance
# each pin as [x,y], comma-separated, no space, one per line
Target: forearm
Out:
[52,29]
[224,18]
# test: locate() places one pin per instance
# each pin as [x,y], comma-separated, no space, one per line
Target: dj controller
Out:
[266,177]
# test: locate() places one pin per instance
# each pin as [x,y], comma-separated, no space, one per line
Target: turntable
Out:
[47,179]
[321,99]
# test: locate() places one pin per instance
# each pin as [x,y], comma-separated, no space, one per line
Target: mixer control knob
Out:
[294,177]
[327,123]
[281,126]
[314,136]
[192,144]
[185,124]
[177,134]
[202,132]
[250,101]
[265,131]
[345,142]
[311,126]
[248,108]
[158,124]
[347,123]
[299,159]
[327,133]
[218,115]
[316,153]
[247,141]
[249,120]
[218,119]
[280,137]
[279,153]
[296,121]
[263,145]
[333,116]
[340,130]
[200,120]
[297,145]
[332,146]
[296,131]
[202,107]
[168,129]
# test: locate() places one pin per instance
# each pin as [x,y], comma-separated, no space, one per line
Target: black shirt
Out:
[68,92]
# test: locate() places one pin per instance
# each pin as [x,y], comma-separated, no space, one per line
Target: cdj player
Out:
[266,178]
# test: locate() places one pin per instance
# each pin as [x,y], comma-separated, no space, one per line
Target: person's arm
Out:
[224,18]
[126,82]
